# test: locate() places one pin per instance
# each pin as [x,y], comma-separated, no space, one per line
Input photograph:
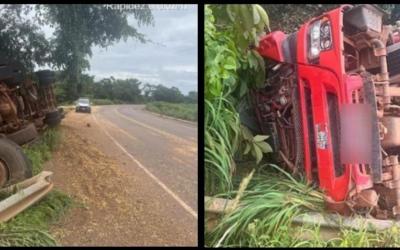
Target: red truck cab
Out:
[333,61]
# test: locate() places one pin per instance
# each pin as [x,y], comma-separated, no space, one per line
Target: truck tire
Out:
[45,73]
[22,136]
[53,114]
[15,80]
[46,77]
[5,72]
[44,82]
[53,118]
[14,164]
[53,122]
[3,59]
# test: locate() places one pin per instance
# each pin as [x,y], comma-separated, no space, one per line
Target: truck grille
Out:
[311,136]
[335,131]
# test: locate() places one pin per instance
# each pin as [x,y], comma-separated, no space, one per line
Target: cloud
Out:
[174,63]
[170,60]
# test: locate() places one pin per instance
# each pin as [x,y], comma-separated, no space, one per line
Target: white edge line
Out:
[192,124]
[162,185]
[159,131]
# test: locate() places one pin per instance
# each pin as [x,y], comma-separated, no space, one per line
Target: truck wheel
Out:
[53,114]
[53,118]
[3,59]
[24,135]
[44,82]
[5,72]
[15,80]
[46,77]
[14,165]
[53,122]
[45,73]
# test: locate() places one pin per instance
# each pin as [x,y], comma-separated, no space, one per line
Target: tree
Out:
[147,90]
[165,94]
[21,40]
[191,97]
[78,27]
[127,90]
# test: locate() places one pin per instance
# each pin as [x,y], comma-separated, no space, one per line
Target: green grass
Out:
[40,152]
[30,228]
[267,207]
[185,111]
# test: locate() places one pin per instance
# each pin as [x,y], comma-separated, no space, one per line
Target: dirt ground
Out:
[118,205]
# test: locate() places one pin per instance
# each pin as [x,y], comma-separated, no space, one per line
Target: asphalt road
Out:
[163,152]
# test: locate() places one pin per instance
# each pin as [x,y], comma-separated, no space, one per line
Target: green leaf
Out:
[247,135]
[247,149]
[230,63]
[256,16]
[265,147]
[243,89]
[260,76]
[259,138]
[258,153]
[230,81]
[229,10]
[252,60]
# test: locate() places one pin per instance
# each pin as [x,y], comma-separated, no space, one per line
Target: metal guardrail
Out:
[27,193]
[325,221]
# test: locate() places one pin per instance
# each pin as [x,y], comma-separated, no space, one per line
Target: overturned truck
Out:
[331,104]
[27,106]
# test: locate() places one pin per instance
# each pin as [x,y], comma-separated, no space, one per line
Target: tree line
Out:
[122,91]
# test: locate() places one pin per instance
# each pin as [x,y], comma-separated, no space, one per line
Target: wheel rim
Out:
[3,174]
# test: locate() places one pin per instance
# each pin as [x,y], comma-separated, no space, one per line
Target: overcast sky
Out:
[174,63]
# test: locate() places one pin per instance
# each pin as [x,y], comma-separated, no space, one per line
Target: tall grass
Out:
[221,136]
[272,199]
[266,210]
[40,151]
[186,111]
[30,228]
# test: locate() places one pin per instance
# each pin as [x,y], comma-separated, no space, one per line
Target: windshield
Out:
[83,101]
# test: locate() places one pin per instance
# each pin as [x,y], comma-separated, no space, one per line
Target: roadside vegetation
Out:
[185,111]
[267,199]
[121,91]
[31,227]
[39,152]
[268,205]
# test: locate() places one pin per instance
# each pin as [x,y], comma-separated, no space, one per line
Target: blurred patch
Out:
[355,133]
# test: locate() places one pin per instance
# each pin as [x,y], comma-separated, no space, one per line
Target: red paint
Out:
[328,75]
[271,45]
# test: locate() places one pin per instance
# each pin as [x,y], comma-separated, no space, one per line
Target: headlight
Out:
[326,37]
[314,41]
[320,38]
